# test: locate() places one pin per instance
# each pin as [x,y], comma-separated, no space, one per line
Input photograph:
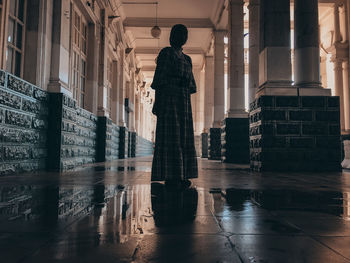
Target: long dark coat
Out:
[174,155]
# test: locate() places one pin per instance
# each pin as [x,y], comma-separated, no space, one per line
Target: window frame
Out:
[78,56]
[5,16]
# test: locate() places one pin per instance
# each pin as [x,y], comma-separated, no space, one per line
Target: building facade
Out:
[76,74]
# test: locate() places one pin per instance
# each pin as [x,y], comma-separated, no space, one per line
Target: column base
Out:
[292,91]
[235,140]
[204,139]
[293,133]
[214,144]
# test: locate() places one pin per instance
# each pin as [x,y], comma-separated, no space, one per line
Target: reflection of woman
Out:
[174,157]
[173,206]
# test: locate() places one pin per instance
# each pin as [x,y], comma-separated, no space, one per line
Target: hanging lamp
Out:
[155,31]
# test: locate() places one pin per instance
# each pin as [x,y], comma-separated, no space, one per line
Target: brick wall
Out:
[123,143]
[204,138]
[23,125]
[295,133]
[72,134]
[143,147]
[107,140]
[235,140]
[214,144]
[112,143]
[41,130]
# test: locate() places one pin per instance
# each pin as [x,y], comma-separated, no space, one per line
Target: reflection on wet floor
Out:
[169,205]
[119,168]
[173,206]
[133,222]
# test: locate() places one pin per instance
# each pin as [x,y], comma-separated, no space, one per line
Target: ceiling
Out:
[200,16]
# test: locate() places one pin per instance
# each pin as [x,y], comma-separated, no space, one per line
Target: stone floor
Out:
[110,212]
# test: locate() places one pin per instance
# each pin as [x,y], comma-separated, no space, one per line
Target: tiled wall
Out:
[143,147]
[72,134]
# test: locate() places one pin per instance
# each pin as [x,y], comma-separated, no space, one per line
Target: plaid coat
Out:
[174,155]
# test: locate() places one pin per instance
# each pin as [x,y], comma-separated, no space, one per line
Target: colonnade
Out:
[270,69]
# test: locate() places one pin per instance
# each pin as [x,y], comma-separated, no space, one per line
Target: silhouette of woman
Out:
[174,157]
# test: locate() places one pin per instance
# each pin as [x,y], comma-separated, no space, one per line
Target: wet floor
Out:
[111,212]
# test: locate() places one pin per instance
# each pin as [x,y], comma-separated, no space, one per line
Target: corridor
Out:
[110,212]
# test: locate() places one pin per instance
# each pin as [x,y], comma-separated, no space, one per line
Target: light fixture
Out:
[155,31]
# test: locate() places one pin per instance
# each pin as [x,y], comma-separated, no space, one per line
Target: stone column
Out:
[307,51]
[340,56]
[219,96]
[235,92]
[60,49]
[339,89]
[275,71]
[102,77]
[121,93]
[196,109]
[337,35]
[114,94]
[292,128]
[254,13]
[344,30]
[219,83]
[132,103]
[346,96]
[235,128]
[208,102]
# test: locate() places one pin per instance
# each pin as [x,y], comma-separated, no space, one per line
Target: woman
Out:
[174,157]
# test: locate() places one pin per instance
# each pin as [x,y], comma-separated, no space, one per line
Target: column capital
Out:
[340,51]
[236,114]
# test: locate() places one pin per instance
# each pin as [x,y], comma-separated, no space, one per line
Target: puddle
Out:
[121,168]
[141,209]
[329,202]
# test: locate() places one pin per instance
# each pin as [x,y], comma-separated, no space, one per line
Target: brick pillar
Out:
[204,140]
[122,143]
[101,139]
[132,144]
[235,129]
[214,144]
[72,134]
[291,133]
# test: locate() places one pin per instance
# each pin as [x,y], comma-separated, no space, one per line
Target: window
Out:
[15,36]
[78,57]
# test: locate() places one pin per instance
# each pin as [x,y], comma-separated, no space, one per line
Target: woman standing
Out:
[174,157]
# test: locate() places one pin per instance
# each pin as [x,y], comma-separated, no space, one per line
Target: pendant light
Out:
[155,31]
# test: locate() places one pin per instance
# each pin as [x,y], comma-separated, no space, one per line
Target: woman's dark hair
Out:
[178,36]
